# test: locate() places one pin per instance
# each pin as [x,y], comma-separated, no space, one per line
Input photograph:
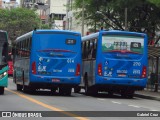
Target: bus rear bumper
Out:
[56,81]
[136,83]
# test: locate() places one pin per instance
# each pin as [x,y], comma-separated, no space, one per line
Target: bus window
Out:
[84,49]
[5,52]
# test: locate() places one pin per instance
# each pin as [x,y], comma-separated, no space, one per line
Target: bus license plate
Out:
[55,80]
[121,75]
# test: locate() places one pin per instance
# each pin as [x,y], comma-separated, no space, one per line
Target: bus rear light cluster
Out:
[34,68]
[144,72]
[100,69]
[78,70]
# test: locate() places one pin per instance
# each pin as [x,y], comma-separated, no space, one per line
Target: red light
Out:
[34,68]
[78,70]
[100,69]
[144,72]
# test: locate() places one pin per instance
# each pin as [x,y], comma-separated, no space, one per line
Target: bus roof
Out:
[95,35]
[45,31]
[2,31]
[29,34]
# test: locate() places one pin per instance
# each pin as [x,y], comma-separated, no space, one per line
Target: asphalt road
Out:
[44,100]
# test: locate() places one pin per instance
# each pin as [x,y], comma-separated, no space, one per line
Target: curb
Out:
[147,97]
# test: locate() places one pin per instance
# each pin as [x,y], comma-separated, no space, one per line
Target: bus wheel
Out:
[1,90]
[86,85]
[77,89]
[127,93]
[65,91]
[110,93]
[19,87]
[53,90]
[24,88]
[68,91]
[130,94]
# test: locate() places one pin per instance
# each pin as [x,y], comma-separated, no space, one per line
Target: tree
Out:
[142,15]
[18,21]
[156,2]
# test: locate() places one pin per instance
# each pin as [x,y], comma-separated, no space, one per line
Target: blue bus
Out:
[47,59]
[3,61]
[114,62]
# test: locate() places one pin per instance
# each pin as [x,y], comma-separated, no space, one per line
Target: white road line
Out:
[100,99]
[134,106]
[154,110]
[116,102]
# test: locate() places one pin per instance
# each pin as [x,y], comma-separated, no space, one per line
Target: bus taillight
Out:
[144,72]
[78,70]
[100,69]
[34,68]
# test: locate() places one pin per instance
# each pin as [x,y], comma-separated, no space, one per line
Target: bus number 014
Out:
[70,61]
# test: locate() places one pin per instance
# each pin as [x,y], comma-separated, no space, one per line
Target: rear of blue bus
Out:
[121,61]
[55,59]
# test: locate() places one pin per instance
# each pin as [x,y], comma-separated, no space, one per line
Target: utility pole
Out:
[82,31]
[126,21]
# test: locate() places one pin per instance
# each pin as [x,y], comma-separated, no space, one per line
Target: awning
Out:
[153,51]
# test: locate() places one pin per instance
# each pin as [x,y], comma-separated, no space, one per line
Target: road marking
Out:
[134,106]
[100,99]
[116,102]
[47,106]
[154,110]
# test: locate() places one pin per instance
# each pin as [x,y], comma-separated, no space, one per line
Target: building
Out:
[42,8]
[72,23]
[57,13]
[8,5]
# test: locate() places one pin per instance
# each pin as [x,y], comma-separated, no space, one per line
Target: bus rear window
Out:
[122,43]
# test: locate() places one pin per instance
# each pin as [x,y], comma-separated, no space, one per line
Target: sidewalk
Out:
[148,94]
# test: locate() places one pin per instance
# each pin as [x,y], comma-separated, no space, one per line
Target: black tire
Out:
[65,91]
[127,94]
[130,96]
[14,77]
[110,93]
[86,87]
[53,90]
[1,90]
[68,91]
[24,88]
[77,89]
[19,87]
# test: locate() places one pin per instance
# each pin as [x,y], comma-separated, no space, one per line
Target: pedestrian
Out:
[152,80]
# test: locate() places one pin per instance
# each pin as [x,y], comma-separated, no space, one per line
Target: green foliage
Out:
[156,2]
[142,15]
[18,21]
[45,26]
